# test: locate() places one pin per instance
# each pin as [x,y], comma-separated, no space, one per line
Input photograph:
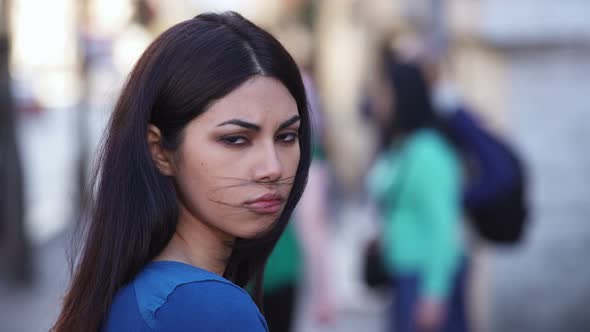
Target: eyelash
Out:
[288,138]
[285,138]
[231,140]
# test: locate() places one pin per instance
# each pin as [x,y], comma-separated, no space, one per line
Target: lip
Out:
[266,204]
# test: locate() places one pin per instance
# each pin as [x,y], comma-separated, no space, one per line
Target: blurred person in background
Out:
[206,155]
[417,182]
[15,247]
[495,177]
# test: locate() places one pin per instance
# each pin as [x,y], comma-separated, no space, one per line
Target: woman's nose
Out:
[268,167]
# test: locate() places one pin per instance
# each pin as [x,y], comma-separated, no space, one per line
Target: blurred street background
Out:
[524,66]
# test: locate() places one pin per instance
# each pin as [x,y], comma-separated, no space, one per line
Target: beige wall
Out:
[341,64]
[480,69]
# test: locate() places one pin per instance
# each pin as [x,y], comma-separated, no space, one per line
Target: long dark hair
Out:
[412,107]
[134,210]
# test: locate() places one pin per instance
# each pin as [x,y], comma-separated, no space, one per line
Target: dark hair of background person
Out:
[412,106]
[134,210]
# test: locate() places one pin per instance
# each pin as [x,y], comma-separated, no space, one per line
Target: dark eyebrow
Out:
[289,122]
[255,127]
[241,123]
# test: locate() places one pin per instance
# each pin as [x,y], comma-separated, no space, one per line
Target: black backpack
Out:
[495,194]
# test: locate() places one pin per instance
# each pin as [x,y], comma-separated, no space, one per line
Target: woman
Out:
[206,156]
[417,181]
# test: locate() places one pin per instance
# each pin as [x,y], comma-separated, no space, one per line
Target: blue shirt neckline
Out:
[159,279]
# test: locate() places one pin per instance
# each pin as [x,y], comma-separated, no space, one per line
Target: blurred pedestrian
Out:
[417,182]
[15,247]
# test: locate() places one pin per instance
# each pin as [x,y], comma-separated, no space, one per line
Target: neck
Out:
[196,243]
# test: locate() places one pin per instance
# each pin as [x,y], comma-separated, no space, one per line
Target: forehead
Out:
[258,99]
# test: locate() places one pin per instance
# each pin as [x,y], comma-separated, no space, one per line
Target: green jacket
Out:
[283,267]
[419,187]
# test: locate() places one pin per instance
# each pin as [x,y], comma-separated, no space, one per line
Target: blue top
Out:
[173,296]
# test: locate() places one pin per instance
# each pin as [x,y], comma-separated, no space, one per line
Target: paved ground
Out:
[35,308]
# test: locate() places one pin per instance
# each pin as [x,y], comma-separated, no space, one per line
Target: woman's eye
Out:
[234,140]
[287,137]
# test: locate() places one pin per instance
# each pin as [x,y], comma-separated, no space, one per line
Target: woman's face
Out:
[238,159]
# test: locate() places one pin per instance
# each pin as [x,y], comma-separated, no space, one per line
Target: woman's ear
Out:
[162,158]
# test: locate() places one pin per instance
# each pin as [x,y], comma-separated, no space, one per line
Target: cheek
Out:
[192,181]
[194,178]
[290,161]
[212,186]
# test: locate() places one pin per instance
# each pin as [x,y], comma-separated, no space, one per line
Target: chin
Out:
[257,228]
